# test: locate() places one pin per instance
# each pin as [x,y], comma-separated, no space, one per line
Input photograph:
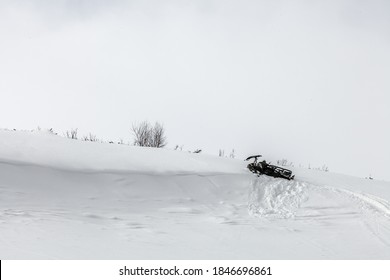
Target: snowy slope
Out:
[67,199]
[49,150]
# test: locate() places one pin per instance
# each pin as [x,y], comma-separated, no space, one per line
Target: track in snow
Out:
[303,204]
[366,201]
[281,198]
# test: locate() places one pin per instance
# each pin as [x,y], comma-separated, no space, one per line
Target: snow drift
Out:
[68,199]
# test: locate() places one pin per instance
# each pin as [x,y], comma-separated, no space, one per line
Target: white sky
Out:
[302,80]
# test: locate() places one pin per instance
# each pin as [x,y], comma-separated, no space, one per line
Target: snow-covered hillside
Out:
[68,199]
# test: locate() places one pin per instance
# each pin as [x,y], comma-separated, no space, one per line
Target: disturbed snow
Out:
[67,199]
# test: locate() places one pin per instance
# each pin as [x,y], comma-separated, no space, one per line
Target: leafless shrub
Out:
[322,168]
[51,131]
[146,135]
[91,137]
[325,168]
[284,162]
[141,133]
[177,147]
[71,134]
[157,136]
[281,162]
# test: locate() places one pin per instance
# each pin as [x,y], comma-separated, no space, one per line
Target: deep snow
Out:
[69,199]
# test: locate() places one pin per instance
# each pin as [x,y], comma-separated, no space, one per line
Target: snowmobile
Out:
[262,167]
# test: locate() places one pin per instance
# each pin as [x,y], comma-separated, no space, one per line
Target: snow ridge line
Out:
[366,200]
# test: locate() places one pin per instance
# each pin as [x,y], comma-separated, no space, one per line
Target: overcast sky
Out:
[304,80]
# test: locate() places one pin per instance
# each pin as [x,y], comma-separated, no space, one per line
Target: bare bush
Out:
[177,147]
[324,168]
[91,137]
[284,162]
[146,135]
[141,134]
[71,134]
[51,131]
[157,136]
[281,162]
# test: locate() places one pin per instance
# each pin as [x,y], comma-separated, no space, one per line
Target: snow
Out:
[69,199]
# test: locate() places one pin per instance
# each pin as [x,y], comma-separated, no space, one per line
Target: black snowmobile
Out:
[262,167]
